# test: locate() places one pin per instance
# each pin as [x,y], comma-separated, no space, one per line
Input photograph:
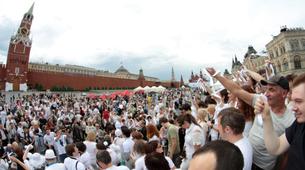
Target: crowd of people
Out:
[255,121]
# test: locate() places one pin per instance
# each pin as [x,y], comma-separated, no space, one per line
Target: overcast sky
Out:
[154,35]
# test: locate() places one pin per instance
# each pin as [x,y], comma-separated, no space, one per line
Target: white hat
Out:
[118,132]
[36,160]
[49,154]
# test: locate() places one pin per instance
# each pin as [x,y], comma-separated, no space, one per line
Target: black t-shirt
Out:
[295,135]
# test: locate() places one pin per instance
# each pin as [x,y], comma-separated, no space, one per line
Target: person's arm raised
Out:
[274,144]
[232,87]
[257,77]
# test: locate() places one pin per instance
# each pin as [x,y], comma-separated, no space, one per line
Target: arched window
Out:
[285,64]
[278,66]
[276,52]
[297,62]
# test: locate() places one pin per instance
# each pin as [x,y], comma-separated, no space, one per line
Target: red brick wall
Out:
[80,82]
[2,76]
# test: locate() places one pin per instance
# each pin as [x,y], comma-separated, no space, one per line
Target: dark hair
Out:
[81,146]
[208,100]
[70,149]
[233,118]
[139,147]
[202,104]
[244,107]
[151,146]
[254,82]
[186,107]
[2,151]
[291,77]
[298,80]
[100,146]
[228,156]
[137,135]
[156,161]
[103,156]
[126,132]
[187,118]
[163,120]
[261,72]
[224,93]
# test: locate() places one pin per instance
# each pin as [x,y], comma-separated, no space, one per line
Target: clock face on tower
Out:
[24,31]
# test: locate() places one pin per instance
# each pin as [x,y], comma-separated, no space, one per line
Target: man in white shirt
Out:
[20,131]
[103,160]
[3,115]
[84,155]
[48,139]
[231,124]
[127,145]
[59,144]
[71,162]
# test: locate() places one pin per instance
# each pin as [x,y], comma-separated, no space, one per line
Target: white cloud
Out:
[155,34]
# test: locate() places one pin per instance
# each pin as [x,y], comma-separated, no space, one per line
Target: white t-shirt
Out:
[114,157]
[194,135]
[56,166]
[91,149]
[73,164]
[3,117]
[140,163]
[154,138]
[20,132]
[49,139]
[247,129]
[117,168]
[246,149]
[60,145]
[128,145]
[85,159]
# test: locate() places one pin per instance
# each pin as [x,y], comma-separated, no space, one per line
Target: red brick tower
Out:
[141,78]
[18,55]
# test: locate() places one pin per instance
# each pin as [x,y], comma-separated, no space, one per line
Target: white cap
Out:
[118,132]
[49,154]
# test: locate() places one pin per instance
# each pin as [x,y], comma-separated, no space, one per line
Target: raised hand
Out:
[211,70]
[262,107]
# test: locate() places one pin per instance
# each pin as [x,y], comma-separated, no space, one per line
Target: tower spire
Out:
[173,74]
[181,81]
[31,9]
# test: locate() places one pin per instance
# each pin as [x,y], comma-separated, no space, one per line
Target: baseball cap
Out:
[277,80]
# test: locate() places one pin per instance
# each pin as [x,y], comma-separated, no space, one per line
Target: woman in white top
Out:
[201,115]
[152,133]
[152,147]
[194,138]
[91,146]
[138,154]
[247,110]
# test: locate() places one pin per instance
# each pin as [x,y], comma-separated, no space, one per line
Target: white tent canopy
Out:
[154,89]
[161,88]
[146,89]
[138,89]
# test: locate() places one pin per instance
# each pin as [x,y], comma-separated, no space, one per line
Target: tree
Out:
[38,87]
